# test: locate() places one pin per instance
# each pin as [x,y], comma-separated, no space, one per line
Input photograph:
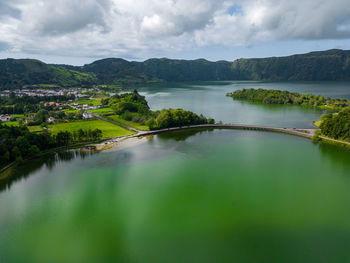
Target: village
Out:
[83,108]
[79,111]
[45,92]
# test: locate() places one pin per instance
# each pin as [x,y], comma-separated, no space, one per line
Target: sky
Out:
[81,31]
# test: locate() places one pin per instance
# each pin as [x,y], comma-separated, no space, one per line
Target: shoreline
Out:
[120,144]
[110,144]
[14,164]
[326,139]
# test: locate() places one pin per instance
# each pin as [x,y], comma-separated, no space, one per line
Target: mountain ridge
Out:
[331,65]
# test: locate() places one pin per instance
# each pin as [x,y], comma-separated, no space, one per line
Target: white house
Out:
[87,115]
[51,120]
[5,118]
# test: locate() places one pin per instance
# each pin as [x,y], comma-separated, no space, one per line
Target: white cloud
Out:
[134,28]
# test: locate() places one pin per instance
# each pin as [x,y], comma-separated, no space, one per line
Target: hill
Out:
[19,72]
[331,65]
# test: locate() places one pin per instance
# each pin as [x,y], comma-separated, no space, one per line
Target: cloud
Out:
[7,10]
[173,18]
[65,16]
[272,20]
[3,46]
[133,28]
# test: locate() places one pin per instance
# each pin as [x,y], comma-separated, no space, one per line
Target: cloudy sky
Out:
[81,31]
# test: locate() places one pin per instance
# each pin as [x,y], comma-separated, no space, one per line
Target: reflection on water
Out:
[340,155]
[206,196]
[48,161]
[181,135]
[279,107]
[189,196]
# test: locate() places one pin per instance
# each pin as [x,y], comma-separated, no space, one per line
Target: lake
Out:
[209,99]
[189,196]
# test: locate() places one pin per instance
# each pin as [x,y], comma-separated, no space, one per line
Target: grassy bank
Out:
[317,123]
[334,141]
[132,124]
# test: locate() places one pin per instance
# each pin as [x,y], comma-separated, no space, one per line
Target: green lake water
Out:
[191,196]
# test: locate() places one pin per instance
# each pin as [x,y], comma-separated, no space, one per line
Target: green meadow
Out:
[11,123]
[108,129]
[133,124]
[71,111]
[36,128]
[101,111]
[94,102]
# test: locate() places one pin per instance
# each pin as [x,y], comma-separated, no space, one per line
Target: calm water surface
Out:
[209,99]
[204,196]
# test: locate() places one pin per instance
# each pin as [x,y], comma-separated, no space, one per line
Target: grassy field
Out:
[101,111]
[18,116]
[71,111]
[133,124]
[108,129]
[94,102]
[37,128]
[11,123]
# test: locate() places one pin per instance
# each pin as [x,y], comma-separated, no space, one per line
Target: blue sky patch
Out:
[235,10]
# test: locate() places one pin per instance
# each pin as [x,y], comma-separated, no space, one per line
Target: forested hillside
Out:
[315,66]
[14,73]
[332,65]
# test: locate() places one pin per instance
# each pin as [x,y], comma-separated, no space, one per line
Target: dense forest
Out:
[18,143]
[314,66]
[115,70]
[337,125]
[270,96]
[176,118]
[331,65]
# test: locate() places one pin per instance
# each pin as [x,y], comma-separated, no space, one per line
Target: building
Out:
[55,104]
[87,115]
[51,120]
[5,118]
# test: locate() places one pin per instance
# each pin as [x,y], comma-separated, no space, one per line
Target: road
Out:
[307,133]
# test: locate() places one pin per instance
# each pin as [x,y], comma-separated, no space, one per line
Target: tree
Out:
[151,123]
[15,152]
[33,150]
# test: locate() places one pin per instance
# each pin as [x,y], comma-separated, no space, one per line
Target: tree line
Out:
[17,143]
[168,118]
[337,125]
[270,96]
